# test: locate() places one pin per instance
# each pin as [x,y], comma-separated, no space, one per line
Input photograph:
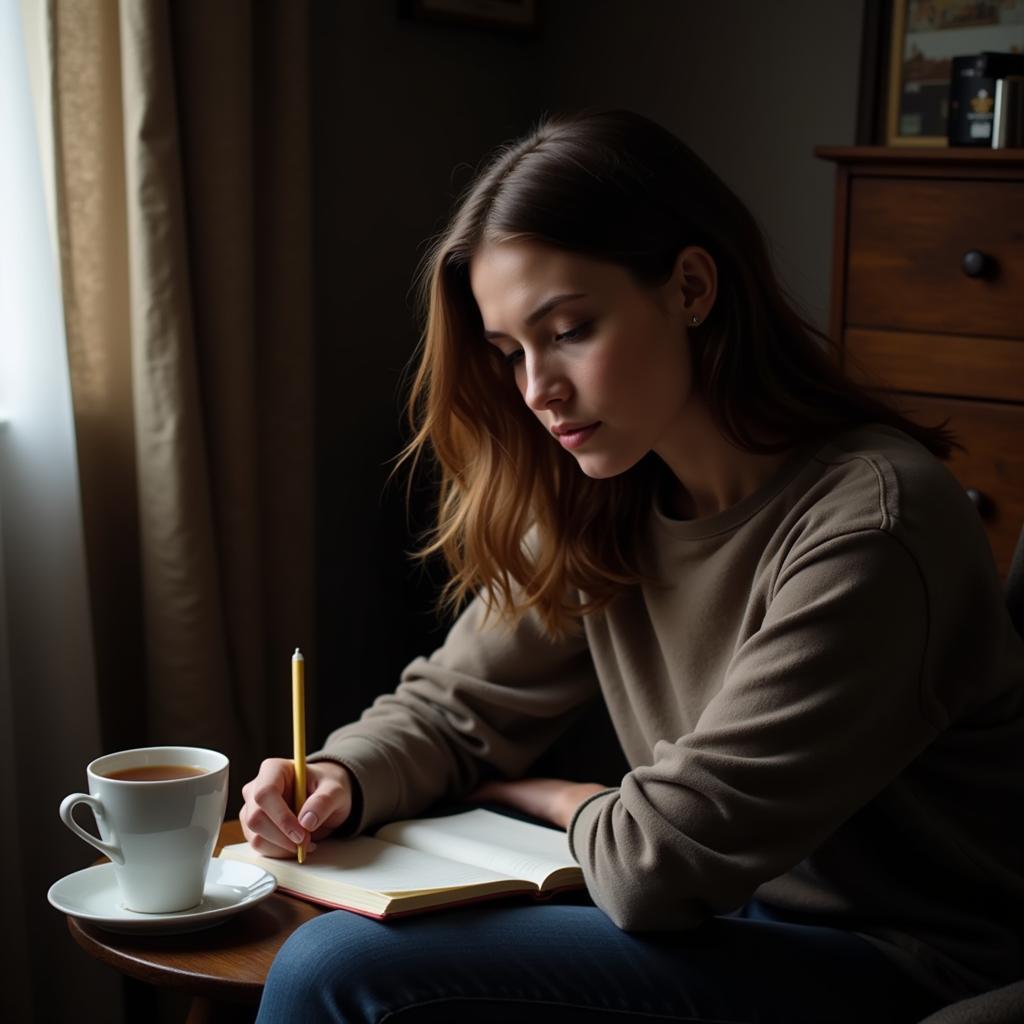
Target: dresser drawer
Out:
[993,464]
[936,364]
[906,244]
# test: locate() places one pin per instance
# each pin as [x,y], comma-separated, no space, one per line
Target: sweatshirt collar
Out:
[735,515]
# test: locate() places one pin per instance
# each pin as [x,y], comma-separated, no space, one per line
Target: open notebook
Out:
[410,866]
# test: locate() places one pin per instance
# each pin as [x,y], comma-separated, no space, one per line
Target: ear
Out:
[696,283]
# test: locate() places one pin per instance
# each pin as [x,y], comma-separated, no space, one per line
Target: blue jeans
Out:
[565,961]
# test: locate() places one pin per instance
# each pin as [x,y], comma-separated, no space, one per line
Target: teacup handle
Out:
[67,807]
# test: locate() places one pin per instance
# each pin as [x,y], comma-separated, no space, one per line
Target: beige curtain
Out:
[181,140]
[182,191]
[182,167]
[184,187]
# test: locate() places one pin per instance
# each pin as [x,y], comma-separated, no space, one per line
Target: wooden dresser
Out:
[928,303]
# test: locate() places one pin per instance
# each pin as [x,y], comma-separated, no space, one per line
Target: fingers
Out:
[268,822]
[330,799]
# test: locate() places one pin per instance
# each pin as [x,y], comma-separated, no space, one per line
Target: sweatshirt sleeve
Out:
[819,710]
[488,702]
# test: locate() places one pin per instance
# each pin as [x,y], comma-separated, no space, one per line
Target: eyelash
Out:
[575,334]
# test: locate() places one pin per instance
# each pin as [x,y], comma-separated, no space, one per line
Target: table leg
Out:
[211,1011]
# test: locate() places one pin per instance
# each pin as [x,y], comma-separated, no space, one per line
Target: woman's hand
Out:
[553,800]
[268,822]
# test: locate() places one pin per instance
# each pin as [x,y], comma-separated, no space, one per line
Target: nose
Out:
[546,382]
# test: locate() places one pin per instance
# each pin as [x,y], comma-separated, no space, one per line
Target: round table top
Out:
[227,962]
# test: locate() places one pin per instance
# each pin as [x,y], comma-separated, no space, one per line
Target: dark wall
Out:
[751,87]
[403,111]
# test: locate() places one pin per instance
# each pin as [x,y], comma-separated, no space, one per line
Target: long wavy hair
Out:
[517,521]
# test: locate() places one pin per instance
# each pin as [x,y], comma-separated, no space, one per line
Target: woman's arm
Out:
[554,800]
[820,709]
[488,702]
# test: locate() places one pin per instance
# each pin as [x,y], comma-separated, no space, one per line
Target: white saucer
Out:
[93,895]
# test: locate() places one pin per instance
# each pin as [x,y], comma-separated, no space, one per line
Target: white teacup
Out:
[159,833]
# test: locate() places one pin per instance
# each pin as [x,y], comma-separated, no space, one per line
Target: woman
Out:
[658,488]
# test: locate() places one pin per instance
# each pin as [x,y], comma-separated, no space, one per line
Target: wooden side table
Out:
[222,968]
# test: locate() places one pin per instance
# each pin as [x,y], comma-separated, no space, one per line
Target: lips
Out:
[572,437]
[570,428]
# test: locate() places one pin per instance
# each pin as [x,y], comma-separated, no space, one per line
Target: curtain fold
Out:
[189,688]
[88,133]
[180,191]
[50,716]
[182,187]
[183,169]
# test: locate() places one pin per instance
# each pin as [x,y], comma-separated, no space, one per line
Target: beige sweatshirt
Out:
[822,704]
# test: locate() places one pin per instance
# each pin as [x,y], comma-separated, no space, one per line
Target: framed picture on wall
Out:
[504,15]
[925,36]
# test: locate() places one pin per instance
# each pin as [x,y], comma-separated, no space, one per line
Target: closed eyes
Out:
[575,334]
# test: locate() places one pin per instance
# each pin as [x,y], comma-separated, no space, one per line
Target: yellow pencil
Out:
[299,734]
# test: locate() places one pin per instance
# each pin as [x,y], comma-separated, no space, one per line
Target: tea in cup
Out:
[158,811]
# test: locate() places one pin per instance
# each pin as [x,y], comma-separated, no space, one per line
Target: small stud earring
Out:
[694,320]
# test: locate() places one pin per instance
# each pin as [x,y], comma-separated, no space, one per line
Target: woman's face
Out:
[611,364]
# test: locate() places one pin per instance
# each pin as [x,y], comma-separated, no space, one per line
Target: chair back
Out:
[1003,1005]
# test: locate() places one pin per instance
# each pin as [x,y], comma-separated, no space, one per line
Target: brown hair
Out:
[517,520]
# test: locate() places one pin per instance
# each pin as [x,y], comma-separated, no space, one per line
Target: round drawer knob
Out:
[976,263]
[981,501]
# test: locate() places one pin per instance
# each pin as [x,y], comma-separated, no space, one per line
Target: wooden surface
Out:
[913,323]
[228,962]
[907,239]
[938,364]
[898,158]
[992,466]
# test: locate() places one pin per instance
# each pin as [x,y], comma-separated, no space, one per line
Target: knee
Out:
[319,967]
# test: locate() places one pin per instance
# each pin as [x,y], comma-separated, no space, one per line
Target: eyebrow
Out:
[540,312]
